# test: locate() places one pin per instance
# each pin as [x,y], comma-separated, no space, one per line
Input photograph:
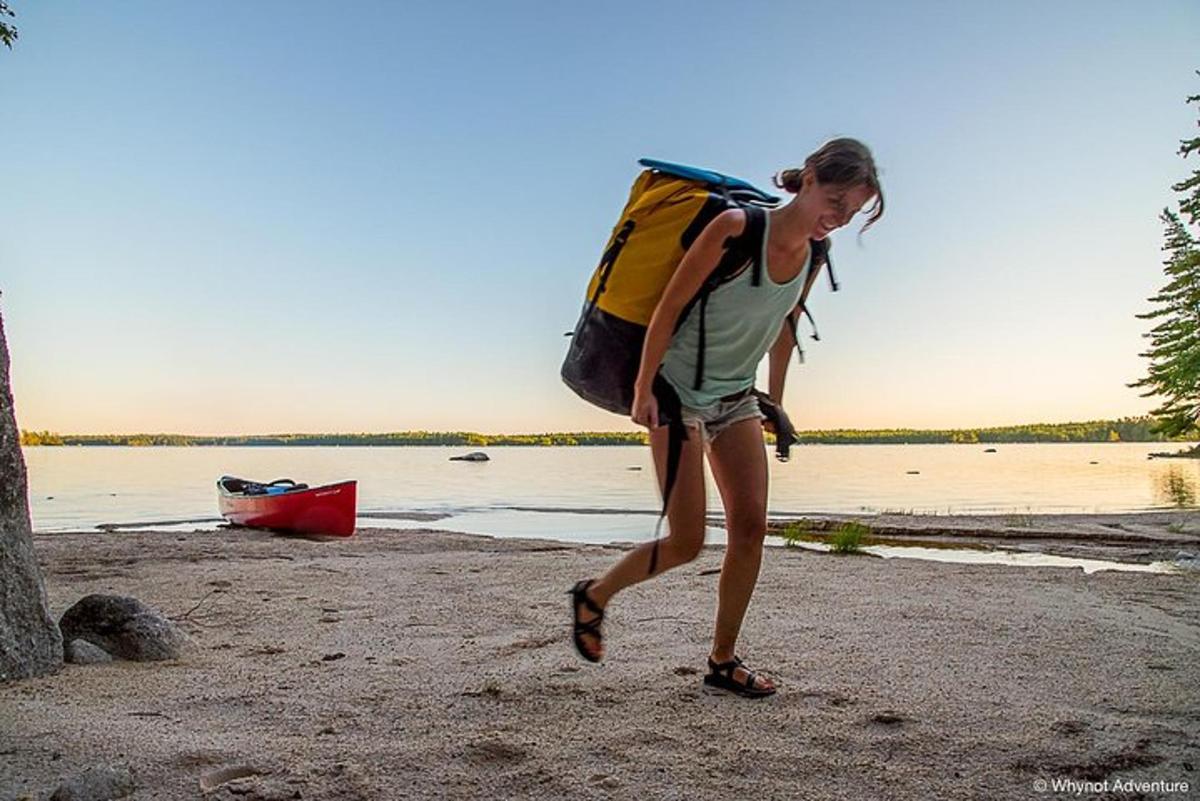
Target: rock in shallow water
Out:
[124,627]
[474,456]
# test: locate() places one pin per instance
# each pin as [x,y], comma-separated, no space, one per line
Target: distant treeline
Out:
[460,438]
[1129,429]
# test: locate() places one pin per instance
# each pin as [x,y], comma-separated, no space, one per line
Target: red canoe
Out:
[287,506]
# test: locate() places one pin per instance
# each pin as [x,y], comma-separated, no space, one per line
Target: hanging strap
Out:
[670,408]
[824,255]
[792,326]
[701,341]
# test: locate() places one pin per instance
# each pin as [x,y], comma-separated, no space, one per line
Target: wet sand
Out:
[424,664]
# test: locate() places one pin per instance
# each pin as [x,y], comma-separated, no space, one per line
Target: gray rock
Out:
[101,783]
[82,652]
[30,644]
[124,627]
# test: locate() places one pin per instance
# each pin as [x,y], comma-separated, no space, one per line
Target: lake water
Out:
[602,493]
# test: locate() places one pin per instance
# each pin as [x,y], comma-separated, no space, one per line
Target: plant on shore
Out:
[1019,521]
[847,538]
[795,533]
[1174,353]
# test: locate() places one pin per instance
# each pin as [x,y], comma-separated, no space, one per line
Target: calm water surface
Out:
[77,487]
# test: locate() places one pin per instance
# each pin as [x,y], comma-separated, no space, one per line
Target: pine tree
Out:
[1174,352]
[8,34]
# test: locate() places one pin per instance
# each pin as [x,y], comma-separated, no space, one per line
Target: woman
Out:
[742,321]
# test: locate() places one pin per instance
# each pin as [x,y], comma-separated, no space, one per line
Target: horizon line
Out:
[1094,421]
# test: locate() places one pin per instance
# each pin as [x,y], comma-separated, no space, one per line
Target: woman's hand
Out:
[644,411]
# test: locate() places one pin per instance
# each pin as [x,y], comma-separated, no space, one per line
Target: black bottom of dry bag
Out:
[602,363]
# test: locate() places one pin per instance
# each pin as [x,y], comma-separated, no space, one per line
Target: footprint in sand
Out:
[214,779]
[1069,728]
[605,781]
[495,748]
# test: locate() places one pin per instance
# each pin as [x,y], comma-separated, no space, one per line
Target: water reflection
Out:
[1177,486]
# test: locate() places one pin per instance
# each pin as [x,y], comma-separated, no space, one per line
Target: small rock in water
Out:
[474,456]
[124,627]
[82,652]
[101,783]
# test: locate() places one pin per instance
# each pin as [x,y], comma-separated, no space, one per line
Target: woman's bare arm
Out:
[780,358]
[780,355]
[697,265]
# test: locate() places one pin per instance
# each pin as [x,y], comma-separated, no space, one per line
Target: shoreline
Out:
[1137,537]
[418,663]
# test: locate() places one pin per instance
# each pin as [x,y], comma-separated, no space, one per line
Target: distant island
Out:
[1129,429]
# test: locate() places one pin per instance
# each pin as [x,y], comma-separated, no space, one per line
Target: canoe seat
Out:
[244,487]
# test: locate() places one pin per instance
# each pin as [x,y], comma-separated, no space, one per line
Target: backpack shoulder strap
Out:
[752,241]
[745,247]
[740,249]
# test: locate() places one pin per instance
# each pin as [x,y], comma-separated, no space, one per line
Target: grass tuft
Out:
[847,538]
[795,533]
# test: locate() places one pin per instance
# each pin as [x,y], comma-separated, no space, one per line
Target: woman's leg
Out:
[739,464]
[686,524]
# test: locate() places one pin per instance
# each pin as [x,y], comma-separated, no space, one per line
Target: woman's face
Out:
[837,204]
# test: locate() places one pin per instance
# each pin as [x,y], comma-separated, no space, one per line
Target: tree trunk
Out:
[30,644]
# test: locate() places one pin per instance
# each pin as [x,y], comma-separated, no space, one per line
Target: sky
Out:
[380,216]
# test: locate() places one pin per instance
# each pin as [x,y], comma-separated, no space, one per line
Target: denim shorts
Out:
[712,420]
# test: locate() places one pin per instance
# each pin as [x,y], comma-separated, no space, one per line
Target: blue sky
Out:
[268,216]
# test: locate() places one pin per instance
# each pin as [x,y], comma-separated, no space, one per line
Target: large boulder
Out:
[30,644]
[124,627]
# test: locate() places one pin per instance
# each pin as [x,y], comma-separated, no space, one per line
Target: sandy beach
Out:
[426,664]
